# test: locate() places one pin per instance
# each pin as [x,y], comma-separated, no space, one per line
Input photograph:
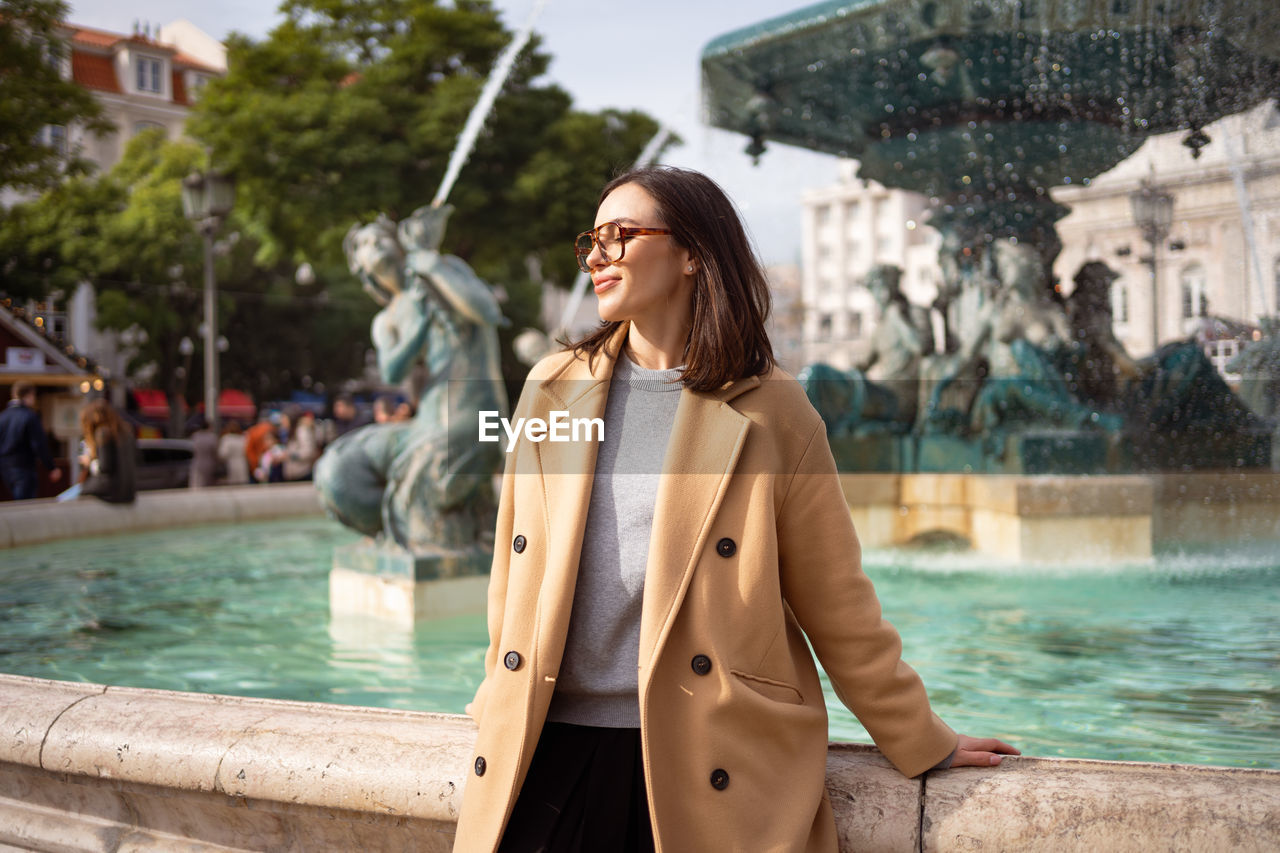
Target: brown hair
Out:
[730,294]
[98,415]
[22,388]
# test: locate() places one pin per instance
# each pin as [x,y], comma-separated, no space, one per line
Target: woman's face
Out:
[652,284]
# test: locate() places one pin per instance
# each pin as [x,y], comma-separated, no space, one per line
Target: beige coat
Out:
[752,551]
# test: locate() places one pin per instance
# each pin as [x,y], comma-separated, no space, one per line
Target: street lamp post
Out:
[1153,212]
[206,200]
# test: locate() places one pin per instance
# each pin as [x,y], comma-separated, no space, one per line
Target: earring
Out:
[689,268]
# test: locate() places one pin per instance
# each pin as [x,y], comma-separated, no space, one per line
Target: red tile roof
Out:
[94,72]
[92,38]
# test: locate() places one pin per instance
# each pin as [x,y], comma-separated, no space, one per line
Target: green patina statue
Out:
[880,393]
[425,483]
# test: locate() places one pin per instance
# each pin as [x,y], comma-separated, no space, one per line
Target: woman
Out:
[231,454]
[110,454]
[648,684]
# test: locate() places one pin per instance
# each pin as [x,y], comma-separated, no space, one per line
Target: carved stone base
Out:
[388,582]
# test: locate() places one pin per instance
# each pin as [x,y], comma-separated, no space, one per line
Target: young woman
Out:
[648,683]
[110,456]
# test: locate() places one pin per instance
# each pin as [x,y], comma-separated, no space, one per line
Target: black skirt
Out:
[585,792]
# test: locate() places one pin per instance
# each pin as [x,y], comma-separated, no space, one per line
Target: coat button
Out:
[726,547]
[512,661]
[719,779]
[480,766]
[519,544]
[701,664]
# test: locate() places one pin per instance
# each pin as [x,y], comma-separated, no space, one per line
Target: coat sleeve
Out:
[835,604]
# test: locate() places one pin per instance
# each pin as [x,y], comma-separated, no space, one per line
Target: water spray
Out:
[480,112]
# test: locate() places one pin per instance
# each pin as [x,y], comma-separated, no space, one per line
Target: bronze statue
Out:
[425,483]
[1011,357]
[879,394]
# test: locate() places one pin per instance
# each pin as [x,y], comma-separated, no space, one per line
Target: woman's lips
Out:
[604,282]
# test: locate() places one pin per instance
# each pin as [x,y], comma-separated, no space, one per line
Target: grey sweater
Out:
[597,684]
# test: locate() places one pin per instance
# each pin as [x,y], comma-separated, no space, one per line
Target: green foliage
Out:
[352,108]
[349,108]
[33,95]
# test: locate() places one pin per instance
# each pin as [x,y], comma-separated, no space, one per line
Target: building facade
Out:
[142,81]
[1216,272]
[1219,266]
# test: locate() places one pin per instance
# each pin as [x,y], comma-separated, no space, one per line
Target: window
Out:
[55,136]
[53,53]
[824,324]
[1195,303]
[1221,353]
[140,126]
[149,74]
[823,215]
[1120,303]
[855,324]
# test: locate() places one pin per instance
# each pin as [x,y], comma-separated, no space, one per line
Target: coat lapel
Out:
[705,443]
[568,469]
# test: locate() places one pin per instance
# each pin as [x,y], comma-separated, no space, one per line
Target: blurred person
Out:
[231,453]
[204,455]
[270,468]
[23,443]
[257,439]
[302,447]
[404,412]
[384,409]
[345,417]
[110,454]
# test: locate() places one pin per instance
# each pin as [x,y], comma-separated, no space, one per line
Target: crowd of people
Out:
[281,446]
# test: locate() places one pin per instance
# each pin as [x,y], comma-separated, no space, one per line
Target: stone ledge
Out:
[1074,804]
[151,769]
[33,522]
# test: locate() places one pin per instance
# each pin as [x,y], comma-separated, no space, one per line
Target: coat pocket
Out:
[778,691]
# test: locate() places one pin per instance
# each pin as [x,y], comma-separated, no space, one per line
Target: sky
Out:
[621,54]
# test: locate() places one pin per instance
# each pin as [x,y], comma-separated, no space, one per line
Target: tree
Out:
[125,233]
[33,96]
[351,108]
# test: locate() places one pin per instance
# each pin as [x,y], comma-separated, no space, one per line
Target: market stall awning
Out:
[152,403]
[235,404]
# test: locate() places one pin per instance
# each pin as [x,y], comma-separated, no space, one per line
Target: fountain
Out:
[985,107]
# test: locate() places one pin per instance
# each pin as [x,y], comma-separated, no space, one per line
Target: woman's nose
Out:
[596,257]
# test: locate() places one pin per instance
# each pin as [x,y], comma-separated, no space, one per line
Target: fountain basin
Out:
[1068,520]
[32,522]
[90,768]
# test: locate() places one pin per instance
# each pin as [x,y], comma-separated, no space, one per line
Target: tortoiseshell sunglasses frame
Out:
[624,234]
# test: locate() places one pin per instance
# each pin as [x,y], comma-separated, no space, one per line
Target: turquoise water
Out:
[1175,661]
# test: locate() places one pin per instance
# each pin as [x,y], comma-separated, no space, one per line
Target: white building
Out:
[143,80]
[848,228]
